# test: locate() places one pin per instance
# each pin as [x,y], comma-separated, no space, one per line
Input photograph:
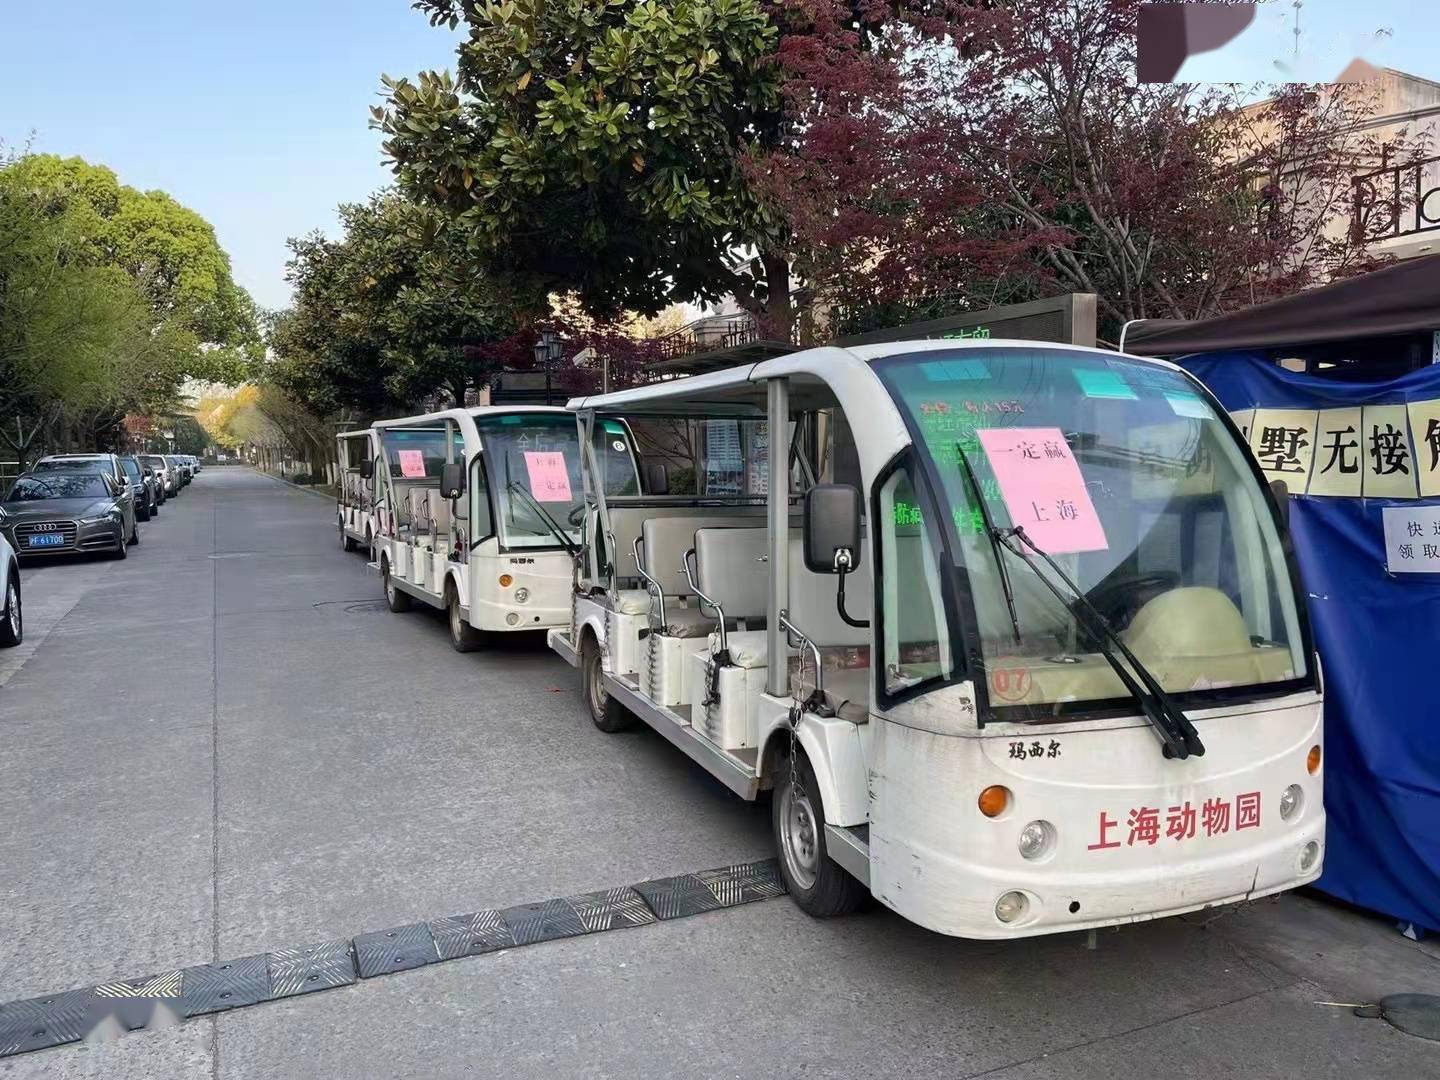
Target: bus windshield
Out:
[535,478]
[1124,473]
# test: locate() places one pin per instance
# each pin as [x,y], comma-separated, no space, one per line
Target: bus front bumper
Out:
[959,897]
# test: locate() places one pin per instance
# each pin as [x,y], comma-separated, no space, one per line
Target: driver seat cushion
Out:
[683,622]
[847,690]
[630,602]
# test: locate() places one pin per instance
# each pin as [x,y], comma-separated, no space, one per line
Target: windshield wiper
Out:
[994,534]
[545,518]
[1177,733]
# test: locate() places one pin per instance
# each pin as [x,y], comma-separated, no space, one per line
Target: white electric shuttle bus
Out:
[478,512]
[1011,631]
[355,500]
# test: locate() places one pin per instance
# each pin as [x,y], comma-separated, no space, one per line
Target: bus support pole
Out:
[778,513]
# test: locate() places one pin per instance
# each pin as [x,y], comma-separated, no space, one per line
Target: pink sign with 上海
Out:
[549,478]
[412,463]
[1043,488]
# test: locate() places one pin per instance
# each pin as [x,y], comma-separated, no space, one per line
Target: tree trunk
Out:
[779,310]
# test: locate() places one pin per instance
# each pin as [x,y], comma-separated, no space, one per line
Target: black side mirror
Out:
[657,478]
[832,528]
[367,468]
[452,480]
[1281,491]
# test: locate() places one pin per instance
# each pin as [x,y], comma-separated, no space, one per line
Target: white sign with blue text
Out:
[1412,539]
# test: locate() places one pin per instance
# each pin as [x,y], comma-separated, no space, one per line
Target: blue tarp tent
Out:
[1378,634]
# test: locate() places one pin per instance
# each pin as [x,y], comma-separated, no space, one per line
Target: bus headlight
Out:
[1036,839]
[521,595]
[1291,799]
[1011,906]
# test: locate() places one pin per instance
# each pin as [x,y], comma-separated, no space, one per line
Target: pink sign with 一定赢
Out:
[412,463]
[549,478]
[1043,488]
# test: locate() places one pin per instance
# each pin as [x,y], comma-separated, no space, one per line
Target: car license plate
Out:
[47,540]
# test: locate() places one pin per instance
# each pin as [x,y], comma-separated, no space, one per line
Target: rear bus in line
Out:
[356,452]
[1011,632]
[478,512]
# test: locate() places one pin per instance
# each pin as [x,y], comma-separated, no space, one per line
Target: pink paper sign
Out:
[1043,489]
[412,463]
[549,478]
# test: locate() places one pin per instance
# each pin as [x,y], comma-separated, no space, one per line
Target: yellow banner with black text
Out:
[1370,451]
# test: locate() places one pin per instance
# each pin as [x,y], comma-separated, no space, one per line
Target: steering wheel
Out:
[1119,600]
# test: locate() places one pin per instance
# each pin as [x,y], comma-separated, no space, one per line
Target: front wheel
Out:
[606,713]
[395,600]
[12,623]
[463,636]
[797,817]
[346,544]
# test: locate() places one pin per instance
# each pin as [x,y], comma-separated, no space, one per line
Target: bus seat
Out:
[440,517]
[731,567]
[664,542]
[812,599]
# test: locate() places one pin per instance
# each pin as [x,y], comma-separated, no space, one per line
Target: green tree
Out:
[389,314]
[78,342]
[599,147]
[168,251]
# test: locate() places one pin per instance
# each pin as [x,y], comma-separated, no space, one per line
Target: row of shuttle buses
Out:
[1010,634]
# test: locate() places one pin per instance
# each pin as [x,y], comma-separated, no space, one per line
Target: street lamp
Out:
[547,350]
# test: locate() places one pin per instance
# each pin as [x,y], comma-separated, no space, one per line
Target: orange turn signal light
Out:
[1312,760]
[994,800]
[506,581]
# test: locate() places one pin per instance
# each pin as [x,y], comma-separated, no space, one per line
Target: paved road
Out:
[225,745]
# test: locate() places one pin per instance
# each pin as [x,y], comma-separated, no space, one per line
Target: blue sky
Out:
[1333,32]
[254,114]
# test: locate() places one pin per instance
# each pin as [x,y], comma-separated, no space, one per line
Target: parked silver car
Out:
[168,474]
[68,513]
[12,621]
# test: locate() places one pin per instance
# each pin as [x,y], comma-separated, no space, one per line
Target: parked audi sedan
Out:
[68,513]
[12,622]
[108,464]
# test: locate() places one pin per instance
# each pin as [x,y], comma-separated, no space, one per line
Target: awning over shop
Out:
[1400,299]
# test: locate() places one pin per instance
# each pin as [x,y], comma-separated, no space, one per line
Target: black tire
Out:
[369,543]
[797,822]
[142,514]
[606,713]
[463,636]
[395,599]
[12,615]
[346,544]
[135,535]
[121,552]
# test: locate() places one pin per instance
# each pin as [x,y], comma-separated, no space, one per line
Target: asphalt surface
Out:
[225,744]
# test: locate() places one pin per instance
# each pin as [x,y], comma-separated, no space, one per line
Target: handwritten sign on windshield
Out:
[1043,489]
[412,463]
[549,479]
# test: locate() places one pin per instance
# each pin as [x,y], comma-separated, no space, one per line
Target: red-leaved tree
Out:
[953,154]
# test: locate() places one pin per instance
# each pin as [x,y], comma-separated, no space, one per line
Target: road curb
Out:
[298,487]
